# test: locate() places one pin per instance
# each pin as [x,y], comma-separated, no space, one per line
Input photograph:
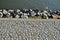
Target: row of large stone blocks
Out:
[29,30]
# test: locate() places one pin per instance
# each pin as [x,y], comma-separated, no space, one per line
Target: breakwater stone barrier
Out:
[29,29]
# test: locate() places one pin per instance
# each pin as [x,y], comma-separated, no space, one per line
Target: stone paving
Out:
[29,30]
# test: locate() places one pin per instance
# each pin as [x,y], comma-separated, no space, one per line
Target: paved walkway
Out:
[29,29]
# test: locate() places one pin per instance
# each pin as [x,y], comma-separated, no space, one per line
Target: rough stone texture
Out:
[29,30]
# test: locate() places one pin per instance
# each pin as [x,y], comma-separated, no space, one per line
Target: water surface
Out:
[40,4]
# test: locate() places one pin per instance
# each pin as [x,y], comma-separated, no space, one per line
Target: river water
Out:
[40,4]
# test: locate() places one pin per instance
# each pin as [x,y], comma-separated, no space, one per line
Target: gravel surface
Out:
[29,30]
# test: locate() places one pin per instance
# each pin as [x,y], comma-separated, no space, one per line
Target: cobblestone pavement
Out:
[29,30]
